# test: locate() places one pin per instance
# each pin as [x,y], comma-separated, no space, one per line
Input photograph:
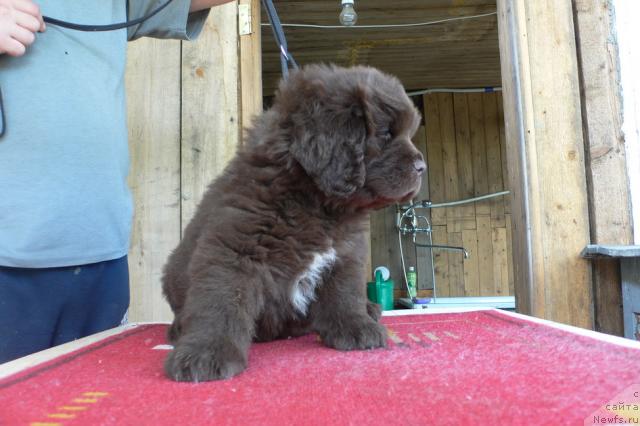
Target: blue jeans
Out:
[45,307]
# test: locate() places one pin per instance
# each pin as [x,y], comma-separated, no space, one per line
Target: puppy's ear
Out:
[328,139]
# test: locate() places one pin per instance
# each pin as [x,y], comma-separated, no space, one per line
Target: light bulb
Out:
[348,16]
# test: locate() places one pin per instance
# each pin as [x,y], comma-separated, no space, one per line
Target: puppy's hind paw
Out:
[199,363]
[361,335]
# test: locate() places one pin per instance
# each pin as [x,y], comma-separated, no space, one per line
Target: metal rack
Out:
[409,222]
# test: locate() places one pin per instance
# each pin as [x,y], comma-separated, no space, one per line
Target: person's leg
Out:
[110,297]
[45,307]
[30,303]
[98,300]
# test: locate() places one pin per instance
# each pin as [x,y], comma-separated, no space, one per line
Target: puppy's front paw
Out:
[200,363]
[173,332]
[374,310]
[358,335]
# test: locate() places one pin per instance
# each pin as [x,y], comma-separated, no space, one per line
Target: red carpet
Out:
[482,367]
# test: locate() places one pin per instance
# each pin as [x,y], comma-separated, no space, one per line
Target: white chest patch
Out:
[304,290]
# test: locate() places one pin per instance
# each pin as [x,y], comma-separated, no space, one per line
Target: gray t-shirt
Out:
[64,158]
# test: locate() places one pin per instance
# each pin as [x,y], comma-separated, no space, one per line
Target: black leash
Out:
[286,58]
[2,126]
[87,28]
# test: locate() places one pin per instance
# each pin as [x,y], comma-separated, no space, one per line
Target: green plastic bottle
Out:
[412,280]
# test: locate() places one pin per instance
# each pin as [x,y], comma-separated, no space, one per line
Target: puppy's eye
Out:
[385,134]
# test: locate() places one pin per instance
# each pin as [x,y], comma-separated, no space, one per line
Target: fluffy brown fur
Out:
[277,245]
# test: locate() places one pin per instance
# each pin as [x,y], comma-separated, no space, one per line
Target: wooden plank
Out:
[630,280]
[549,206]
[435,164]
[456,268]
[556,111]
[500,263]
[379,246]
[424,261]
[519,127]
[610,215]
[210,105]
[465,164]
[601,100]
[485,257]
[472,264]
[507,218]
[608,296]
[494,161]
[153,88]
[441,262]
[515,93]
[503,153]
[251,66]
[425,293]
[479,151]
[449,160]
[420,141]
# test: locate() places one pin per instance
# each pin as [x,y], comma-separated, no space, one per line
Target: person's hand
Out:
[19,21]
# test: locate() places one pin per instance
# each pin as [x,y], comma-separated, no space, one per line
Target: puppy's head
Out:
[350,129]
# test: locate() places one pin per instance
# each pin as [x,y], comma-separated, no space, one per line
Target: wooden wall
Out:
[546,156]
[185,113]
[606,160]
[463,142]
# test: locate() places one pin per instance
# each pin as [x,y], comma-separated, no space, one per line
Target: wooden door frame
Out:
[563,120]
[546,160]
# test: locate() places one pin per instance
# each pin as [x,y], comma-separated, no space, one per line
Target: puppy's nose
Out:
[420,166]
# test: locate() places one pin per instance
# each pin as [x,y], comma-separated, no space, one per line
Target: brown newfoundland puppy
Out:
[277,246]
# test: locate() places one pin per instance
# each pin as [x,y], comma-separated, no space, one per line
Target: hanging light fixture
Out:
[348,16]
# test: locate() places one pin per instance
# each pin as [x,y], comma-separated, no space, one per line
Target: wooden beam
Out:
[486,283]
[210,105]
[608,183]
[424,260]
[183,128]
[153,94]
[465,163]
[449,160]
[494,160]
[434,157]
[251,65]
[545,150]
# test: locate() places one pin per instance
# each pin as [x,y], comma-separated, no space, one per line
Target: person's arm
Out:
[19,21]
[197,5]
[183,19]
